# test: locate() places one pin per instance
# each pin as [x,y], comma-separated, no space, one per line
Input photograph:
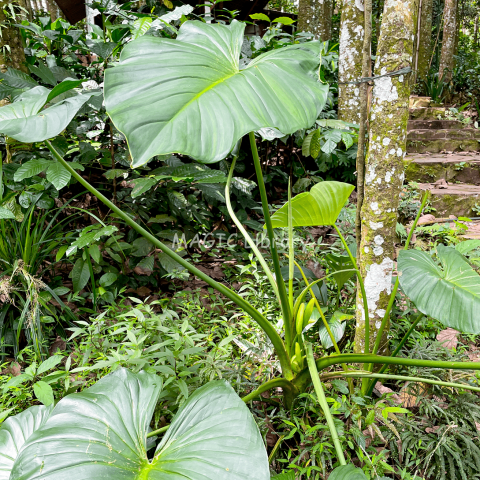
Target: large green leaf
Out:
[190,96]
[102,433]
[320,206]
[450,292]
[347,472]
[15,431]
[25,121]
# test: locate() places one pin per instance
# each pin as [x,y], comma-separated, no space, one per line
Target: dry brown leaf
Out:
[448,338]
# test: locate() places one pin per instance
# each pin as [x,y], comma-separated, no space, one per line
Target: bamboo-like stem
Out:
[317,385]
[264,324]
[287,317]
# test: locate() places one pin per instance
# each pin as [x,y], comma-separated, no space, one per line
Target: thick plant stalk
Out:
[274,383]
[363,90]
[287,317]
[407,378]
[264,324]
[384,168]
[317,385]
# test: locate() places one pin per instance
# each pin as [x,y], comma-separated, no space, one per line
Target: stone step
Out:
[417,101]
[434,125]
[432,145]
[427,113]
[457,199]
[444,134]
[426,168]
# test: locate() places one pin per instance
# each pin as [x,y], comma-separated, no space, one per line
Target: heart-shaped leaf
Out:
[338,263]
[347,472]
[449,293]
[320,206]
[25,121]
[189,95]
[102,433]
[337,327]
[15,431]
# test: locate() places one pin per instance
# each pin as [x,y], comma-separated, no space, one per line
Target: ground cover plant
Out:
[275,322]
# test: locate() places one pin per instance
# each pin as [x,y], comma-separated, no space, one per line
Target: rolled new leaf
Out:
[190,95]
[449,292]
[15,431]
[320,206]
[102,433]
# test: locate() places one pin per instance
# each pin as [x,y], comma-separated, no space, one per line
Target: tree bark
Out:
[315,16]
[11,48]
[447,61]
[424,39]
[350,60]
[384,170]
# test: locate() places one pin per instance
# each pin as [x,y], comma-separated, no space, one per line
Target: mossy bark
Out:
[447,60]
[11,48]
[315,16]
[424,39]
[384,168]
[350,60]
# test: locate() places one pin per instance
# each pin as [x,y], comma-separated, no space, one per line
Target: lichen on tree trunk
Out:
[384,168]
[447,60]
[11,48]
[315,16]
[424,39]
[350,60]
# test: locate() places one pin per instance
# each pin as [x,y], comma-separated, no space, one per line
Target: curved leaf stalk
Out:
[264,324]
[244,232]
[287,316]
[317,385]
[399,347]
[158,432]
[291,250]
[274,383]
[387,376]
[362,288]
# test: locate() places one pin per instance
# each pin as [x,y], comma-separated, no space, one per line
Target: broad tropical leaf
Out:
[25,121]
[102,433]
[15,431]
[320,206]
[347,472]
[189,95]
[58,175]
[449,293]
[338,263]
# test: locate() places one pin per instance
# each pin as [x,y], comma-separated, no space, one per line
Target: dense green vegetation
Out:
[179,265]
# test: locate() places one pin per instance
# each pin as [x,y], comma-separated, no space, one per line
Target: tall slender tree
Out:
[424,39]
[384,170]
[450,27]
[350,60]
[11,48]
[315,16]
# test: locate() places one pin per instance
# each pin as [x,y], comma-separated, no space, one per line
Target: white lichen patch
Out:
[376,225]
[378,280]
[384,90]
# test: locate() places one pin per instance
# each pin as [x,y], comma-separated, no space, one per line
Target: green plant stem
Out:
[325,362]
[287,318]
[291,251]
[158,432]
[274,383]
[317,385]
[395,352]
[397,281]
[264,324]
[402,377]
[244,232]
[362,289]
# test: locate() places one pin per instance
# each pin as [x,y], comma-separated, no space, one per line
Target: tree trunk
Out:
[350,60]
[384,170]
[447,62]
[424,49]
[315,16]
[11,48]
